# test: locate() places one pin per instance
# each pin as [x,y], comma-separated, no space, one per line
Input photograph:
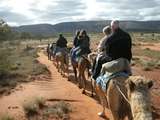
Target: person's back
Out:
[101,49]
[76,39]
[119,45]
[84,43]
[61,42]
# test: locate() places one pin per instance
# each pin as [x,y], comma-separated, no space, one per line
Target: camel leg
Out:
[75,73]
[67,71]
[66,65]
[79,80]
[48,55]
[113,97]
[92,87]
[101,98]
[57,66]
[63,69]
[84,83]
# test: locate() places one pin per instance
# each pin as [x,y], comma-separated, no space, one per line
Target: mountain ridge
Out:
[89,26]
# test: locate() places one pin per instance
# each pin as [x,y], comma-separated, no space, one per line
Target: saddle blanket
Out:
[103,80]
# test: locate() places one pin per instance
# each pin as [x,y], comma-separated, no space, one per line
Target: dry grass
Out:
[6,117]
[32,107]
[17,64]
[60,110]
[37,109]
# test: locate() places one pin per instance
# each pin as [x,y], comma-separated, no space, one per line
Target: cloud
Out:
[20,12]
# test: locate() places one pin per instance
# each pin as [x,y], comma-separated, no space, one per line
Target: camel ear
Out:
[131,85]
[150,84]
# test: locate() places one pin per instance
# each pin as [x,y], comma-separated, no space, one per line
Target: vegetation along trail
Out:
[55,88]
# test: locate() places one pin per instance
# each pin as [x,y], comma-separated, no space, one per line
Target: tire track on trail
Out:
[55,89]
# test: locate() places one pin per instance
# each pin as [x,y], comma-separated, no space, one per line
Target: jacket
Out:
[118,45]
[61,42]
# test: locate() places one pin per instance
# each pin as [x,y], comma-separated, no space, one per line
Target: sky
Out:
[24,12]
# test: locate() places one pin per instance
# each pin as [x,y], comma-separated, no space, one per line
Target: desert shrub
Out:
[31,107]
[39,69]
[40,101]
[6,117]
[60,110]
[151,53]
[149,65]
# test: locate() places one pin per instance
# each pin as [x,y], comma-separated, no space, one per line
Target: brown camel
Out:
[62,63]
[80,66]
[127,97]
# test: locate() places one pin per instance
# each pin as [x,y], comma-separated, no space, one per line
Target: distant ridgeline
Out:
[90,26]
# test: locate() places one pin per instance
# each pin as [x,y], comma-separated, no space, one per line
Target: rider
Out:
[48,51]
[82,45]
[76,39]
[101,49]
[75,42]
[61,45]
[118,45]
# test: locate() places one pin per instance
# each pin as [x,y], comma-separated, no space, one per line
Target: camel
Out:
[127,97]
[80,66]
[49,52]
[62,63]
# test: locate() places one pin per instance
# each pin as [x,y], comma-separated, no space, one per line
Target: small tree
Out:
[5,30]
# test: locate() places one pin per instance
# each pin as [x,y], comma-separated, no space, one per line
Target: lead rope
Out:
[122,93]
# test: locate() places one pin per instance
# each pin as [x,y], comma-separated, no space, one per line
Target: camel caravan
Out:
[109,71]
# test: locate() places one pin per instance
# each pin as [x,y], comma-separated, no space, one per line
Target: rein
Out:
[118,88]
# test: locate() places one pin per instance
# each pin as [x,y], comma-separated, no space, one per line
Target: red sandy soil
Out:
[151,46]
[58,88]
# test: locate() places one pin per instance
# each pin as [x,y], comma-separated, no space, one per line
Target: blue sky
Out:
[22,12]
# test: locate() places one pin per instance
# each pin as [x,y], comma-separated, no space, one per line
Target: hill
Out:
[90,26]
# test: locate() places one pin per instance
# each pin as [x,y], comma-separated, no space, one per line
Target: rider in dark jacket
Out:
[118,45]
[61,42]
[61,45]
[84,43]
[76,39]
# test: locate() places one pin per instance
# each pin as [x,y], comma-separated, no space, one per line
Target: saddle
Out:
[112,69]
[77,58]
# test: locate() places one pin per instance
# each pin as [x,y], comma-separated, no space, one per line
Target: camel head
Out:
[139,97]
[138,83]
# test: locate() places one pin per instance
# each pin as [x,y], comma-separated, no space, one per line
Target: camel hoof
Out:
[83,91]
[101,114]
[92,95]
[80,87]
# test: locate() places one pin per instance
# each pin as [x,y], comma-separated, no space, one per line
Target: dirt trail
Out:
[84,107]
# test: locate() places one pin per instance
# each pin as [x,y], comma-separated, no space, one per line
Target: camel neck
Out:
[140,105]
